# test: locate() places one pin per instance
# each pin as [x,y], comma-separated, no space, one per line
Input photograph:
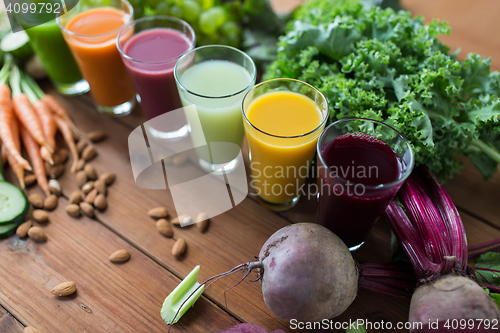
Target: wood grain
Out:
[109,298]
[9,324]
[474,24]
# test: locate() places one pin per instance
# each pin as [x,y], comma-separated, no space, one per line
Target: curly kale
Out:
[385,65]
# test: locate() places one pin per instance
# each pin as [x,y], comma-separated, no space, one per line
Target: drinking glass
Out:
[48,43]
[215,78]
[91,29]
[150,48]
[362,163]
[279,162]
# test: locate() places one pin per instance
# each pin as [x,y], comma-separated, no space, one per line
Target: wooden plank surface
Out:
[473,24]
[9,324]
[128,297]
[110,297]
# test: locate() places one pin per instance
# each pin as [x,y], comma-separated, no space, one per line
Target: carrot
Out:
[28,117]
[6,119]
[24,110]
[34,153]
[59,110]
[3,152]
[48,127]
[68,137]
[16,167]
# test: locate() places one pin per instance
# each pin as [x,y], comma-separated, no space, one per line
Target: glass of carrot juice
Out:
[91,30]
[283,119]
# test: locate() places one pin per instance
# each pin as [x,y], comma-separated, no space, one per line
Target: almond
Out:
[30,180]
[63,155]
[164,228]
[80,165]
[81,145]
[50,202]
[75,198]
[179,159]
[40,216]
[202,221]
[108,178]
[158,212]
[185,219]
[55,171]
[87,208]
[22,230]
[29,329]
[100,186]
[179,248]
[36,200]
[87,187]
[64,289]
[81,178]
[100,202]
[55,187]
[88,153]
[96,136]
[73,210]
[56,159]
[119,256]
[37,233]
[90,171]
[91,197]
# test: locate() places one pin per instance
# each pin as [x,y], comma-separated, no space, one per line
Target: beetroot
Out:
[248,328]
[452,297]
[431,232]
[307,273]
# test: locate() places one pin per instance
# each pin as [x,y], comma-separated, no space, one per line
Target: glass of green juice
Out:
[49,45]
[215,78]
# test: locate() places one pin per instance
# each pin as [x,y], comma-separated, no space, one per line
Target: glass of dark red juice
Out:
[362,163]
[150,48]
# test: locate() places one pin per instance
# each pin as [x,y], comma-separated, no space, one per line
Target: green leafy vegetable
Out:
[360,328]
[385,65]
[491,261]
[494,296]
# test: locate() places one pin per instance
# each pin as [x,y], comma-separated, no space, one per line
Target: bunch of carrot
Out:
[27,114]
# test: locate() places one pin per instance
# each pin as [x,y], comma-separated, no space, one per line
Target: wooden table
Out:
[128,297]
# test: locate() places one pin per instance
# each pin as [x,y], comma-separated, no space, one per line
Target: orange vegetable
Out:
[68,137]
[59,110]
[16,167]
[6,119]
[28,117]
[3,154]
[33,150]
[48,127]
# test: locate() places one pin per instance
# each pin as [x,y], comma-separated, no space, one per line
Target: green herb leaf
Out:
[490,260]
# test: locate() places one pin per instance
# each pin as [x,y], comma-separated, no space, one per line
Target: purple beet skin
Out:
[248,328]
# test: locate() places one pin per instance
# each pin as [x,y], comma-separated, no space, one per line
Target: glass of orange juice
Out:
[283,119]
[91,29]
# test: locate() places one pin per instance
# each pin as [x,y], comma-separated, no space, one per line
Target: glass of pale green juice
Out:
[48,43]
[215,78]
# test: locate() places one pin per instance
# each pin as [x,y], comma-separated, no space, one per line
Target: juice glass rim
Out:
[252,79]
[130,16]
[151,18]
[281,136]
[400,180]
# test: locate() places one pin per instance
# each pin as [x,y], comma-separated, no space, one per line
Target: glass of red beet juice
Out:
[362,163]
[150,48]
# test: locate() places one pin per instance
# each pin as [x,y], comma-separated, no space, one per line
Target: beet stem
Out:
[484,245]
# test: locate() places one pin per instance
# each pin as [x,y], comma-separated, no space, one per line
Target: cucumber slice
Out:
[8,229]
[17,44]
[14,205]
